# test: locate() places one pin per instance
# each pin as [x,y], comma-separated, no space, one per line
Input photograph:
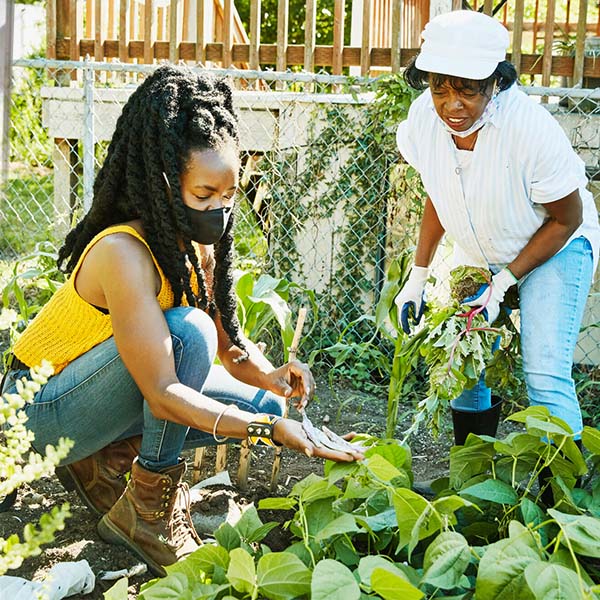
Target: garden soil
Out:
[342,409]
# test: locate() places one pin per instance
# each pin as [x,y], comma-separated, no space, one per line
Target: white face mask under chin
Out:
[489,111]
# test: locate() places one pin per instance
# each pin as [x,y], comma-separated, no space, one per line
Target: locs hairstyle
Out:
[172,113]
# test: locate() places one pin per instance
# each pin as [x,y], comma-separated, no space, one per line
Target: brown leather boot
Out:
[152,518]
[99,479]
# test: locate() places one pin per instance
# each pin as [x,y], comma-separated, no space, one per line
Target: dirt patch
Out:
[342,409]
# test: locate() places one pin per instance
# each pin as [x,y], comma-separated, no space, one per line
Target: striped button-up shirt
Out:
[491,201]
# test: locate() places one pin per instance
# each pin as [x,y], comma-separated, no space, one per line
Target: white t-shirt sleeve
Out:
[406,138]
[556,169]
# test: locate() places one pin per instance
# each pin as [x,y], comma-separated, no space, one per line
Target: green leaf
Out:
[492,490]
[333,581]
[538,426]
[532,514]
[581,531]
[446,559]
[393,452]
[501,574]
[591,439]
[370,562]
[554,582]
[175,587]
[282,576]
[381,468]
[227,536]
[241,571]
[383,520]
[284,503]
[448,505]
[343,524]
[318,515]
[416,518]
[118,591]
[392,586]
[205,560]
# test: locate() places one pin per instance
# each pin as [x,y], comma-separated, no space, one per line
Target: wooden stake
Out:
[198,456]
[292,356]
[244,465]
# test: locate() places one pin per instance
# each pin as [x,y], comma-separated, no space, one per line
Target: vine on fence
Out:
[350,168]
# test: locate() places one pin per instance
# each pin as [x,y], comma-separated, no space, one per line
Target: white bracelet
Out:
[214,431]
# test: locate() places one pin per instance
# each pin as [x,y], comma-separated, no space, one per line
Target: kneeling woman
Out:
[134,332]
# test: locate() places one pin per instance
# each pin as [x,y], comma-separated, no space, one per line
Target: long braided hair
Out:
[172,113]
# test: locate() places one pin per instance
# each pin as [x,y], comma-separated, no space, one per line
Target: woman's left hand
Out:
[293,380]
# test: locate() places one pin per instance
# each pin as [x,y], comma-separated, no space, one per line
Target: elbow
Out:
[158,411]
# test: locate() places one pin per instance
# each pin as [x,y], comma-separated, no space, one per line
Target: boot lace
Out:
[181,527]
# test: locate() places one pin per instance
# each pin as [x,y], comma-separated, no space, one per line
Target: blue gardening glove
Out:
[411,299]
[492,299]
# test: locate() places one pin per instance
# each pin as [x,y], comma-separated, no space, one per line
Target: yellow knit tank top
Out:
[67,326]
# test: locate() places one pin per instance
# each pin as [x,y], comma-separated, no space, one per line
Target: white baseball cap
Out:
[463,43]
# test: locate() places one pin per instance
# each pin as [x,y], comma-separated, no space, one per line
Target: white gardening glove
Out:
[492,296]
[411,301]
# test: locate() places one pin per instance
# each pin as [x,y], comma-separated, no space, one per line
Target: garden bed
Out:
[344,409]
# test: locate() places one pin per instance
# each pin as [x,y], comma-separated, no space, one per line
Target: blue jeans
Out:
[552,301]
[95,401]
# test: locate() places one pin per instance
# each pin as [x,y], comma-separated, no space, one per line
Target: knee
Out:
[272,404]
[193,330]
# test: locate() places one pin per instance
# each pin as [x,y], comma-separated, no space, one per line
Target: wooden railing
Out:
[211,31]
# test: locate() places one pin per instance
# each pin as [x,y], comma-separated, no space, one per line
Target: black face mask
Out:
[208,226]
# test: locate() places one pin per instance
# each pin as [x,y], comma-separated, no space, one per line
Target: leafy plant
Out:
[353,181]
[264,300]
[15,470]
[361,532]
[364,365]
[455,347]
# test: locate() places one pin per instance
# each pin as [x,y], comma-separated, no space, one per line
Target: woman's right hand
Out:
[291,434]
[410,301]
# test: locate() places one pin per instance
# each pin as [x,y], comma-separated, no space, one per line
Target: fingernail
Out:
[307,452]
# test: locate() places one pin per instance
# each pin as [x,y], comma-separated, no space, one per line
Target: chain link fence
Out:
[324,201]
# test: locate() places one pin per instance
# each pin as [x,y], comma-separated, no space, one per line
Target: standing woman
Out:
[149,303]
[506,186]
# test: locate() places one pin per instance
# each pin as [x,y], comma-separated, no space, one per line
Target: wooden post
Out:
[365,49]
[173,37]
[75,22]
[149,31]
[292,356]
[124,16]
[396,61]
[517,38]
[244,464]
[227,33]
[200,33]
[580,44]
[198,456]
[338,36]
[310,32]
[221,462]
[548,40]
[255,19]
[51,29]
[6,41]
[282,39]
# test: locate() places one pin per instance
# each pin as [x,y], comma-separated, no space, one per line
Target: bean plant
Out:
[359,531]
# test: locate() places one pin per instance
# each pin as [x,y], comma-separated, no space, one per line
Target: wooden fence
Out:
[548,38]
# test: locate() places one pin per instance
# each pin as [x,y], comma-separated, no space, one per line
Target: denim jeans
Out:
[95,401]
[552,301]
